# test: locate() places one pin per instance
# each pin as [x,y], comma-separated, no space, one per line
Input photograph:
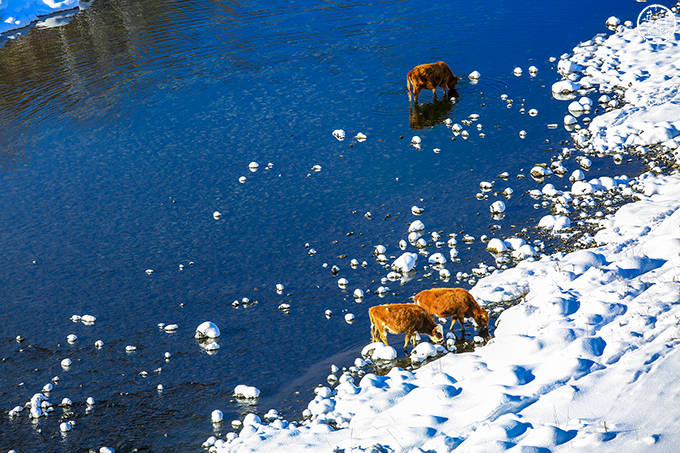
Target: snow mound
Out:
[405,263]
[424,351]
[207,329]
[246,391]
[379,351]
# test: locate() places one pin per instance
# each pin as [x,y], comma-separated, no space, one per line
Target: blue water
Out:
[123,131]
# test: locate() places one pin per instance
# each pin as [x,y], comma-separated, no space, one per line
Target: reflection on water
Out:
[432,113]
[80,71]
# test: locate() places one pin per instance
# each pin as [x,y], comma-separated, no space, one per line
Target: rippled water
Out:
[121,133]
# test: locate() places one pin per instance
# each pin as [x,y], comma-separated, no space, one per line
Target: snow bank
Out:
[20,13]
[594,343]
[645,76]
[589,360]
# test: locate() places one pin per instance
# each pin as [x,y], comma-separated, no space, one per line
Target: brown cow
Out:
[456,303]
[403,318]
[430,76]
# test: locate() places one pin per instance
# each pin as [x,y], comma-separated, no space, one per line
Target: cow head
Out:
[437,334]
[453,81]
[482,319]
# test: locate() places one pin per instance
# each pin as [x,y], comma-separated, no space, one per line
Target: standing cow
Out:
[430,76]
[456,303]
[403,318]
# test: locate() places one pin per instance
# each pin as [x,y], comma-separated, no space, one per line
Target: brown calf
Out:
[402,318]
[430,76]
[456,303]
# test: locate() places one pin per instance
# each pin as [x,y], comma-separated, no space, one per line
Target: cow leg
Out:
[408,337]
[416,92]
[453,323]
[383,337]
[434,93]
[374,334]
[410,87]
[462,327]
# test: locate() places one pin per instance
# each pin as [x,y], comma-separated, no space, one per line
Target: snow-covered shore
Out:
[21,13]
[589,360]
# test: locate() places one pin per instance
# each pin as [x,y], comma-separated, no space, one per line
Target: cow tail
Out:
[408,86]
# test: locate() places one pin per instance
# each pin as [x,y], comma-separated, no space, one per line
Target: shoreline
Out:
[584,332]
[15,22]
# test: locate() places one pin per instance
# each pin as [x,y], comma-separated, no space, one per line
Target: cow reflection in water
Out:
[430,114]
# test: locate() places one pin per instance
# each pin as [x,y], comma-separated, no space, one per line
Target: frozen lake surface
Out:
[122,132]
